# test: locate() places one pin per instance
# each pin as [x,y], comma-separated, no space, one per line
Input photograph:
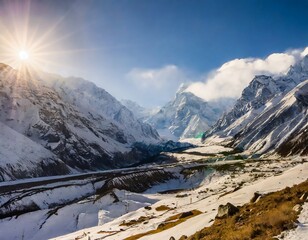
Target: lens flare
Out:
[23,55]
[33,44]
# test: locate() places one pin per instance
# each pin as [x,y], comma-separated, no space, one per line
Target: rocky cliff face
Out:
[271,114]
[281,126]
[80,126]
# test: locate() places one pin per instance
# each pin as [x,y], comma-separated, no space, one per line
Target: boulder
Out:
[256,197]
[304,196]
[226,210]
[297,208]
[186,214]
[183,237]
[161,225]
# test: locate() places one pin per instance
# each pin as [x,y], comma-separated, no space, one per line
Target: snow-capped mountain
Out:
[271,114]
[95,103]
[140,112]
[64,125]
[187,115]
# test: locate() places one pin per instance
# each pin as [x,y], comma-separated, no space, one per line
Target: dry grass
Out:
[264,219]
[135,221]
[162,208]
[168,223]
[109,232]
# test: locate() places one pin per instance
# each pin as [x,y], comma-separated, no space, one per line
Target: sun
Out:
[31,47]
[23,55]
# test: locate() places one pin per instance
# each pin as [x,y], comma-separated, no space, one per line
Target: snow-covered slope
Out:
[21,157]
[187,115]
[212,190]
[95,102]
[140,112]
[81,124]
[270,114]
[282,126]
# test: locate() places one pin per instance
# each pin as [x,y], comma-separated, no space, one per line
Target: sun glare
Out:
[23,55]
[28,46]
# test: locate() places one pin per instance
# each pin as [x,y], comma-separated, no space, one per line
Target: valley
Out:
[228,181]
[153,120]
[77,164]
[116,199]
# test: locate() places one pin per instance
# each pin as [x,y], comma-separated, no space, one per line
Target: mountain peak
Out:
[187,115]
[72,119]
[299,71]
[269,109]
[182,88]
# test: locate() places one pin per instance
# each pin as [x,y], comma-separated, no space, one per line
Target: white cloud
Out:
[160,84]
[157,78]
[232,77]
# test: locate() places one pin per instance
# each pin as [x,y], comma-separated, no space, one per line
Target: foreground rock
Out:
[226,210]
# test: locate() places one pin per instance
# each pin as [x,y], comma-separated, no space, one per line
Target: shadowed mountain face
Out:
[271,114]
[64,125]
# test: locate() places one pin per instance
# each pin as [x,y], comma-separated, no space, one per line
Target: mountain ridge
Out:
[271,115]
[79,123]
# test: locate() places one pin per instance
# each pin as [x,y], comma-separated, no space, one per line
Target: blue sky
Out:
[114,43]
